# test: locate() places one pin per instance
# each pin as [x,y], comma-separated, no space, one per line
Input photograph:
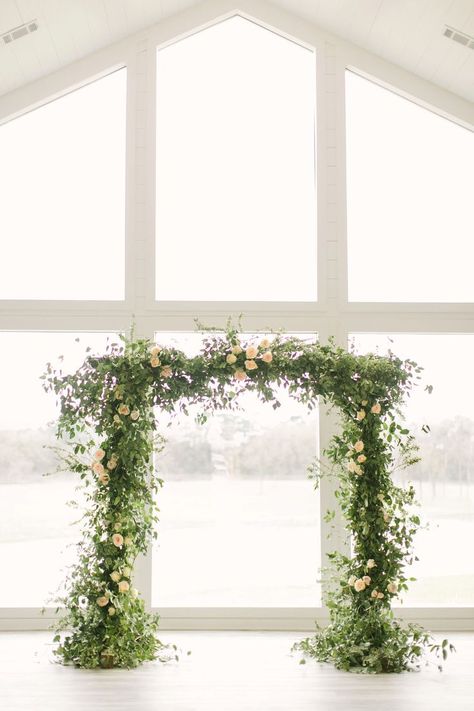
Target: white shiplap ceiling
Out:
[406,32]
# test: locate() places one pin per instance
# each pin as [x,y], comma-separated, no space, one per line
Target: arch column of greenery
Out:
[114,397]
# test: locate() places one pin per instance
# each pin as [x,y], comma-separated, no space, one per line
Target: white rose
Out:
[134,415]
[371,563]
[134,593]
[359,585]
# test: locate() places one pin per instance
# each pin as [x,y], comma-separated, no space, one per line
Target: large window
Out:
[444,478]
[62,187]
[239,521]
[235,167]
[409,199]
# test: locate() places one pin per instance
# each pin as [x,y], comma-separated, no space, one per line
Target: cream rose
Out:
[111,464]
[134,592]
[117,420]
[118,393]
[364,403]
[154,351]
[251,365]
[387,517]
[104,478]
[100,454]
[155,362]
[376,409]
[126,571]
[115,576]
[128,541]
[111,611]
[236,350]
[231,359]
[240,374]
[359,446]
[361,458]
[359,585]
[124,586]
[265,343]
[352,466]
[166,372]
[371,563]
[358,470]
[351,580]
[392,588]
[367,579]
[117,526]
[360,415]
[374,593]
[98,468]
[134,415]
[117,540]
[251,352]
[123,410]
[267,357]
[380,596]
[102,601]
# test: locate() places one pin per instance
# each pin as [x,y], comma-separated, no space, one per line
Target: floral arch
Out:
[107,418]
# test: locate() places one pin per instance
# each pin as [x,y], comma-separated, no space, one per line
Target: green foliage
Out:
[112,397]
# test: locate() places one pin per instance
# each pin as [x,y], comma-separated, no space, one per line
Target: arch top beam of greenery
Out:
[108,420]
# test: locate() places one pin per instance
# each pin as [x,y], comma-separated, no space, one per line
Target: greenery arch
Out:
[107,417]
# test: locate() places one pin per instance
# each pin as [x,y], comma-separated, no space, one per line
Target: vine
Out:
[107,418]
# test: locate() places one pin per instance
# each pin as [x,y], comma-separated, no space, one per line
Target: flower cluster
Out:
[249,355]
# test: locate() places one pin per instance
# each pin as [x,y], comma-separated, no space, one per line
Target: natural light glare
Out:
[63,197]
[235,183]
[36,535]
[409,200]
[239,518]
[444,478]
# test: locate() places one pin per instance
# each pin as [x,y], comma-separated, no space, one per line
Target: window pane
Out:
[34,518]
[409,200]
[239,521]
[63,197]
[444,479]
[235,184]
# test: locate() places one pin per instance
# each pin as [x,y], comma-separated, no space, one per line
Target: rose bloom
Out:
[359,446]
[364,403]
[374,593]
[155,362]
[123,410]
[240,374]
[267,357]
[154,351]
[236,350]
[134,415]
[231,358]
[124,586]
[104,478]
[352,466]
[115,576]
[166,372]
[117,540]
[371,563]
[367,579]
[251,365]
[128,541]
[265,343]
[251,352]
[117,526]
[359,585]
[376,409]
[111,611]
[360,415]
[98,468]
[126,572]
[100,454]
[358,470]
[392,588]
[380,596]
[102,601]
[351,580]
[111,464]
[361,458]
[134,593]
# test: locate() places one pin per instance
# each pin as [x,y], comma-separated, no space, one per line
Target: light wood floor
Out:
[227,671]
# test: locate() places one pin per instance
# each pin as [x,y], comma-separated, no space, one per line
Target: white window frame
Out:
[332,315]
